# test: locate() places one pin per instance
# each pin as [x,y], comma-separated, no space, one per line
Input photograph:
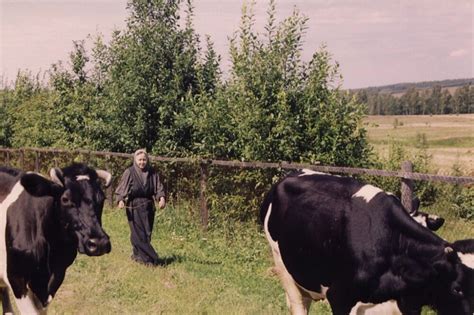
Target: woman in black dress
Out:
[137,191]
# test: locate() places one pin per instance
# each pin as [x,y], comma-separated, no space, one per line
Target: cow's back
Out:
[308,219]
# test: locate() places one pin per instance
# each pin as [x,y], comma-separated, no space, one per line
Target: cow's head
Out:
[452,278]
[440,283]
[431,221]
[79,201]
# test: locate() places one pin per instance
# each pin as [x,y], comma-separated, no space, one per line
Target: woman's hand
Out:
[121,204]
[161,203]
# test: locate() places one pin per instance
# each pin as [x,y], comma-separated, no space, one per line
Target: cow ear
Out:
[106,176]
[415,204]
[57,176]
[434,222]
[39,186]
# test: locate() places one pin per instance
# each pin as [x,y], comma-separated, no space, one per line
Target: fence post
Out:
[202,195]
[22,159]
[37,162]
[407,187]
[110,190]
[7,158]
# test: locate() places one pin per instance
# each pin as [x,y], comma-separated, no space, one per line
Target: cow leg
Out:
[297,300]
[341,299]
[6,303]
[409,307]
[30,304]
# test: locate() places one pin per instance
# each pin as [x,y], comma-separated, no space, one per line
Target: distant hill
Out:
[400,88]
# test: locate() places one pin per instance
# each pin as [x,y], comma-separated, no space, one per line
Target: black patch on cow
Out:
[10,171]
[38,186]
[464,246]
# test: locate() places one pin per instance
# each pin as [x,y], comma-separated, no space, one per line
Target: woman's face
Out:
[141,160]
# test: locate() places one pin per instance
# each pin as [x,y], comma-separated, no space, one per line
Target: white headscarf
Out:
[142,172]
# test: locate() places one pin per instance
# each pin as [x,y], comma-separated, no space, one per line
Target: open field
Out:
[450,138]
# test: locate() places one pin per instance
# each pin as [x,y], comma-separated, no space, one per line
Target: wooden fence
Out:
[406,173]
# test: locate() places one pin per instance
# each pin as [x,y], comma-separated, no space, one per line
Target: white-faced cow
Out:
[43,224]
[335,237]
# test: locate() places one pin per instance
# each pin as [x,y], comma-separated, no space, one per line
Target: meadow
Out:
[449,138]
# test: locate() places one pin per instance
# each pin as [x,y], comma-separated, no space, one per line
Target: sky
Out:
[375,42]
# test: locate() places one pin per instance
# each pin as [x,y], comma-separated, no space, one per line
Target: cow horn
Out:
[56,176]
[448,250]
[106,176]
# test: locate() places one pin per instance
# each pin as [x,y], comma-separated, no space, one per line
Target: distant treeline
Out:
[418,99]
[399,88]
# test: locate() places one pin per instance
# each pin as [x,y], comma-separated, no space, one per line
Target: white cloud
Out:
[458,53]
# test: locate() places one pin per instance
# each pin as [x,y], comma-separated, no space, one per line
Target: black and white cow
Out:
[43,224]
[335,237]
[431,221]
[465,251]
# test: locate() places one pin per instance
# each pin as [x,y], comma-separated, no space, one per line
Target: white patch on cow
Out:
[7,202]
[82,177]
[433,216]
[315,295]
[296,301]
[467,259]
[385,308]
[367,192]
[307,172]
[421,219]
[30,304]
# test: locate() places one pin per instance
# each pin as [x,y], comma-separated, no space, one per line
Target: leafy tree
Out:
[6,131]
[282,108]
[461,100]
[151,75]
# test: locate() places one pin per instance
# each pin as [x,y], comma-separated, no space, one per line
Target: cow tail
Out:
[266,203]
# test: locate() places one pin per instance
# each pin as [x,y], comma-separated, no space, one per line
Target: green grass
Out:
[221,271]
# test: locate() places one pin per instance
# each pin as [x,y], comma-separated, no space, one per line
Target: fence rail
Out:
[406,174]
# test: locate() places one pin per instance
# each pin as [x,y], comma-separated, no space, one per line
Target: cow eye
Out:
[65,200]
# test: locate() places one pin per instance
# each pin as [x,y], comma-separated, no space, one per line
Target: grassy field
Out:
[223,271]
[450,138]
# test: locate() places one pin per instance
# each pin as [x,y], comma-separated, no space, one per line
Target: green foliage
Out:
[277,107]
[151,78]
[6,130]
[460,198]
[426,191]
[463,202]
[152,86]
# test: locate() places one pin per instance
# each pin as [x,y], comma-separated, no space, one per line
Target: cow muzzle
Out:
[96,246]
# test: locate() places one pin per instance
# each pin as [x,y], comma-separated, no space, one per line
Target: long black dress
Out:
[139,189]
